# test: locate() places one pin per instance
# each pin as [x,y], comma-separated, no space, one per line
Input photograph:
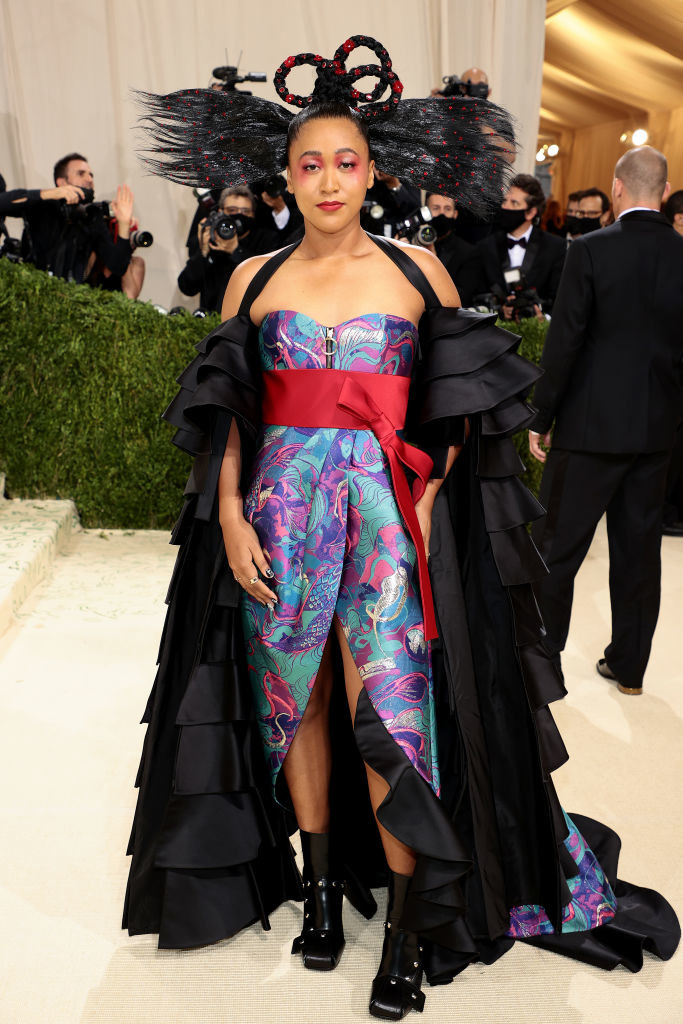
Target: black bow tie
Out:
[516,241]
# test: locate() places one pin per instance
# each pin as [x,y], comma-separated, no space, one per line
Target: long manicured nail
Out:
[271,605]
[269,574]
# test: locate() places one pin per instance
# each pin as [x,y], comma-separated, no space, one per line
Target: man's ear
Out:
[61,181]
[667,191]
[532,214]
[456,211]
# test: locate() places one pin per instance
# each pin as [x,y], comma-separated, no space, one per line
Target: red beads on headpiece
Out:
[336,83]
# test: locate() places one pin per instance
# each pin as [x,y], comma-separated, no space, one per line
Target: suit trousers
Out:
[577,489]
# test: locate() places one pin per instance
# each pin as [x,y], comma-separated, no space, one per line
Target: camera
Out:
[274,186]
[417,227]
[141,239]
[10,249]
[454,86]
[204,197]
[228,77]
[517,294]
[223,225]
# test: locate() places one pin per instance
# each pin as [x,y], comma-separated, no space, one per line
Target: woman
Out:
[298,409]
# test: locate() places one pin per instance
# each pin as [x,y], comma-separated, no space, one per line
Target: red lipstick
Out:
[330,206]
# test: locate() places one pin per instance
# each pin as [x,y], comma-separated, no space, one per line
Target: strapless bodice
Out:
[372,343]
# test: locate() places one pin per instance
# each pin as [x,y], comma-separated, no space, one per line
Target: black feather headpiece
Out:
[457,146]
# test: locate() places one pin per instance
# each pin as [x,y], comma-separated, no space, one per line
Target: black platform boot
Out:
[396,989]
[322,938]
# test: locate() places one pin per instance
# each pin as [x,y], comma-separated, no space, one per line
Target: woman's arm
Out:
[245,555]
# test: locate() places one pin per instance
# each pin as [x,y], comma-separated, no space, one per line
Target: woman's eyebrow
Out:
[316,152]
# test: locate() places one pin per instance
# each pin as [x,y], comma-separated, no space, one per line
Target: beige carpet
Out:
[74,677]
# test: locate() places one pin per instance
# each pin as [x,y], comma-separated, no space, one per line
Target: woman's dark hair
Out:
[318,111]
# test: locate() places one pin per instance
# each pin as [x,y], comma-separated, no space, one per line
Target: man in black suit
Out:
[461,260]
[521,245]
[613,386]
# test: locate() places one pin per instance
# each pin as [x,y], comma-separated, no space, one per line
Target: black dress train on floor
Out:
[210,847]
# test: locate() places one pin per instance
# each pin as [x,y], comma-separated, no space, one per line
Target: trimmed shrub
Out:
[84,377]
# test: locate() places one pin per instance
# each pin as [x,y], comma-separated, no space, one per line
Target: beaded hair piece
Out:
[458,146]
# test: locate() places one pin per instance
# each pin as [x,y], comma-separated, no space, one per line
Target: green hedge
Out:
[84,376]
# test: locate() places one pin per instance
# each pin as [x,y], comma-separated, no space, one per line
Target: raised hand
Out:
[122,206]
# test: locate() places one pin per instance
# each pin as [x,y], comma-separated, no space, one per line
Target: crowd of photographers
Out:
[510,264]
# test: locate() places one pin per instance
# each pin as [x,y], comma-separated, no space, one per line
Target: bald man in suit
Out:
[613,388]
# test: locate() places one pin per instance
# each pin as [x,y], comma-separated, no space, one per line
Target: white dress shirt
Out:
[516,253]
[631,209]
[281,217]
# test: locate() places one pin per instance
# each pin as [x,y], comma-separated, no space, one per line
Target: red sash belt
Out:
[359,401]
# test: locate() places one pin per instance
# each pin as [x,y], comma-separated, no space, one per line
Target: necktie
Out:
[516,241]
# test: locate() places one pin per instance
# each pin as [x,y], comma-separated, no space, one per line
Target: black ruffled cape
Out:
[210,848]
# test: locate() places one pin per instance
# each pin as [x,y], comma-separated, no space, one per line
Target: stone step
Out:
[32,532]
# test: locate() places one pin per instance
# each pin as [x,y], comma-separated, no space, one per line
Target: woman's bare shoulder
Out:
[240,279]
[433,269]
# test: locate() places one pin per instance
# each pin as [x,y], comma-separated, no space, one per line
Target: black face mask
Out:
[442,224]
[588,224]
[508,220]
[573,224]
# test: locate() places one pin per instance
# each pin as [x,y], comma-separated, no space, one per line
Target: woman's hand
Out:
[247,559]
[423,508]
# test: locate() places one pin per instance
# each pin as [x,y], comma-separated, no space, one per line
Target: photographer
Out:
[64,227]
[276,210]
[521,245]
[386,202]
[226,237]
[461,260]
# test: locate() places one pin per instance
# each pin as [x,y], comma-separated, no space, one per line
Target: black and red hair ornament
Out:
[456,145]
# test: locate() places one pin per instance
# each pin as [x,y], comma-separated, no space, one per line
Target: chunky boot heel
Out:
[322,937]
[397,988]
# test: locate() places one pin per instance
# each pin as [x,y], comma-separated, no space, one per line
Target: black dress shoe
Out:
[322,937]
[605,671]
[396,989]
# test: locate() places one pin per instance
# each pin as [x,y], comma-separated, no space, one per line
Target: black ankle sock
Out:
[398,889]
[315,847]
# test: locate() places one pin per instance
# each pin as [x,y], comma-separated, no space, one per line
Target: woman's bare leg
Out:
[308,763]
[400,858]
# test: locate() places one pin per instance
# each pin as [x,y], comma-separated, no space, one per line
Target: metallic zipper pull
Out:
[330,347]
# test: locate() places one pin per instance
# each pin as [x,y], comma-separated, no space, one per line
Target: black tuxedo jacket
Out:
[463,263]
[613,354]
[542,264]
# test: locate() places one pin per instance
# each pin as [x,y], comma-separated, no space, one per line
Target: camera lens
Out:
[426,234]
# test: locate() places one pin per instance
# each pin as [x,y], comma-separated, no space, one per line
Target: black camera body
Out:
[224,225]
[10,248]
[274,186]
[416,226]
[454,86]
[520,296]
[229,77]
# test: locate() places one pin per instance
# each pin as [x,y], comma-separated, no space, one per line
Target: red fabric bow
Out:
[376,402]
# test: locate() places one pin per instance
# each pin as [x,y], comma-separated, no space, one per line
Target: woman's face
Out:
[329,172]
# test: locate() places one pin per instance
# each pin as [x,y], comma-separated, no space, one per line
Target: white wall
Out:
[67,69]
